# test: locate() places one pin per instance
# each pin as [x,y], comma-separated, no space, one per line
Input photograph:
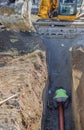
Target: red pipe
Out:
[61,116]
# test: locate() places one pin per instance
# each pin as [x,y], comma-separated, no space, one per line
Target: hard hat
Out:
[61,93]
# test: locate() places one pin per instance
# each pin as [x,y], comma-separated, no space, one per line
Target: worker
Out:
[60,96]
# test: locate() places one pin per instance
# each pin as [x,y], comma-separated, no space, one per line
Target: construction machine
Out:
[60,9]
[67,14]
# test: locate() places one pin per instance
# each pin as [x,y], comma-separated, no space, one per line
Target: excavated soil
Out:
[23,71]
[78,86]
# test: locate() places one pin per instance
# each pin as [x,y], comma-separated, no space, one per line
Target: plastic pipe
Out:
[61,116]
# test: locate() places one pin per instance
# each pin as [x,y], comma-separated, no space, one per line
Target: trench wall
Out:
[78,86]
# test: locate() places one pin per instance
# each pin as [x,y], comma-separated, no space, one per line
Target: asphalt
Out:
[60,75]
[18,41]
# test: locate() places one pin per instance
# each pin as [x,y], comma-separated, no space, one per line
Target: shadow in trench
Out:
[44,100]
[59,74]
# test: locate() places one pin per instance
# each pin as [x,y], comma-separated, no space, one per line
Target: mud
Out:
[18,42]
[60,75]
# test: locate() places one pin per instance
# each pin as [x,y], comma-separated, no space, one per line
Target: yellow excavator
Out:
[60,17]
[60,9]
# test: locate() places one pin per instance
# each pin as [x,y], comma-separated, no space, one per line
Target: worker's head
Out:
[61,95]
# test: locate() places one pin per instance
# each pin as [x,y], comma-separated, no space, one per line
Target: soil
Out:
[78,83]
[22,70]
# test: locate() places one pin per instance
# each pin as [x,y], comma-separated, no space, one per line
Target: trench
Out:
[58,51]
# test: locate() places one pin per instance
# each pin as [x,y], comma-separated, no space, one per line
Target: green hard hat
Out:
[61,93]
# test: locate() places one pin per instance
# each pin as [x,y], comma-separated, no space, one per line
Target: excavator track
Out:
[51,28]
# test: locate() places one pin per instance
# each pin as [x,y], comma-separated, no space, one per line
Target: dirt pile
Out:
[11,16]
[78,86]
[25,75]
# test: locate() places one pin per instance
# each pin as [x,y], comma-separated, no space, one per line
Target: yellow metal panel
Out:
[44,8]
[66,18]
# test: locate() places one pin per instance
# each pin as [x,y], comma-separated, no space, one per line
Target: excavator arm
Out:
[44,8]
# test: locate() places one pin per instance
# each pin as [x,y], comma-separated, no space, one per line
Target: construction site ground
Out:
[23,71]
[35,69]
